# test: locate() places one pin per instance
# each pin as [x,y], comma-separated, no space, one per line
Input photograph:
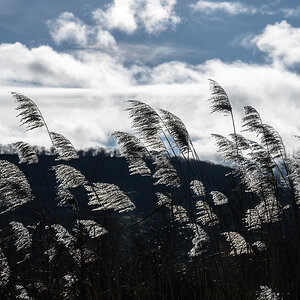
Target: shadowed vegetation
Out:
[177,228]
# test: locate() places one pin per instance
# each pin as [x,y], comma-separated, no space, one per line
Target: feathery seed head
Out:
[238,243]
[198,187]
[30,114]
[176,129]
[14,187]
[4,269]
[165,171]
[26,153]
[108,196]
[200,240]
[21,235]
[219,100]
[134,152]
[93,229]
[146,123]
[68,177]
[205,215]
[63,147]
[219,198]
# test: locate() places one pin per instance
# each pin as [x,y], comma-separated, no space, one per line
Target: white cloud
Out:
[44,66]
[105,39]
[158,15]
[281,43]
[291,12]
[154,16]
[231,8]
[67,28]
[120,14]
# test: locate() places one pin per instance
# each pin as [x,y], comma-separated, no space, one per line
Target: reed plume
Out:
[26,153]
[30,114]
[15,189]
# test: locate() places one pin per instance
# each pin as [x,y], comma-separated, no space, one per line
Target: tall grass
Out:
[197,243]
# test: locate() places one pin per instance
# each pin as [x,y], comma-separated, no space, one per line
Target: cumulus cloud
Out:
[120,14]
[67,28]
[281,43]
[231,8]
[154,16]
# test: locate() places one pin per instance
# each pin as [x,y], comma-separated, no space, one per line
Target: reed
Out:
[198,242]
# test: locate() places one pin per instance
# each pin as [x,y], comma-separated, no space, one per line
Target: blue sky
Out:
[205,29]
[81,59]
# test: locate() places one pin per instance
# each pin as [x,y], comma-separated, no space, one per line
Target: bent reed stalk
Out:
[194,244]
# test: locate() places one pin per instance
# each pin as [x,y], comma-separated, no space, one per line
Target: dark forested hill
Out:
[106,168]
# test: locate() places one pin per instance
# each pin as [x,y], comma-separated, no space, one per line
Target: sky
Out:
[81,60]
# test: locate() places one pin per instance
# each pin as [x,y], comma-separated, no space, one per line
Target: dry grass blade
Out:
[30,114]
[177,130]
[63,147]
[26,153]
[219,100]
[108,196]
[14,187]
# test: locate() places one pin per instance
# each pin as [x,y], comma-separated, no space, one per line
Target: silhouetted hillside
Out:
[102,166]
